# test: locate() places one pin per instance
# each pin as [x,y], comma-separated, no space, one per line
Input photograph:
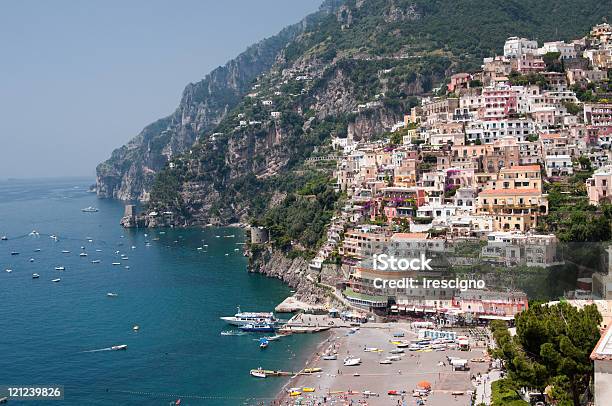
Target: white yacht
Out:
[244,318]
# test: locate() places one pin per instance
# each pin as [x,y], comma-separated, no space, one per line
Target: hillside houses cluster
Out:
[472,165]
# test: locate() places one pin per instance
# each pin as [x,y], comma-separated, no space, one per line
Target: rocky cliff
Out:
[275,264]
[130,171]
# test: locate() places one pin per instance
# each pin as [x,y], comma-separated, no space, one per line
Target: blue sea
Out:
[59,333]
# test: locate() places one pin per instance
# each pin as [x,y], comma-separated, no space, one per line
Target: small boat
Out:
[330,357]
[8,270]
[397,351]
[89,209]
[394,358]
[136,327]
[4,238]
[352,361]
[60,268]
[98,250]
[35,276]
[95,261]
[258,328]
[312,370]
[34,233]
[258,373]
[37,250]
[55,280]
[295,393]
[229,236]
[119,347]
[65,252]
[273,338]
[263,343]
[127,267]
[83,254]
[111,294]
[31,259]
[116,263]
[385,362]
[14,253]
[306,389]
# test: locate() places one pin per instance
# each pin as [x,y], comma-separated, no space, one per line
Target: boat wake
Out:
[98,350]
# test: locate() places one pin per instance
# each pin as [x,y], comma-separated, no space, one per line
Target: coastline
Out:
[283,395]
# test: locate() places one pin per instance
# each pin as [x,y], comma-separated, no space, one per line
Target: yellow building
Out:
[513,209]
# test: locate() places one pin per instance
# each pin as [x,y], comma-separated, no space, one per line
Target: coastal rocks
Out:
[293,271]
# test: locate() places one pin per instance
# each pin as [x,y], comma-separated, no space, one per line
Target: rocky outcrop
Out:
[294,272]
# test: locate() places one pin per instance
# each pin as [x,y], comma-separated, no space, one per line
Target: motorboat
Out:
[352,361]
[385,362]
[89,209]
[35,276]
[274,338]
[31,259]
[263,343]
[8,270]
[394,358]
[4,238]
[83,254]
[116,263]
[136,327]
[95,261]
[37,250]
[258,373]
[331,357]
[111,294]
[14,253]
[55,280]
[397,351]
[119,347]
[65,252]
[244,318]
[60,268]
[258,328]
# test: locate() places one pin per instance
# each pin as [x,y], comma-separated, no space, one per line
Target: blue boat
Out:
[258,328]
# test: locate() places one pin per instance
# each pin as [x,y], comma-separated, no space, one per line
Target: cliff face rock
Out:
[293,272]
[131,169]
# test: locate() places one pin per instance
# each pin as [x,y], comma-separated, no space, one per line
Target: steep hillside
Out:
[352,70]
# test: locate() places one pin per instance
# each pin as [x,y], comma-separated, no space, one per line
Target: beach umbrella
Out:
[424,385]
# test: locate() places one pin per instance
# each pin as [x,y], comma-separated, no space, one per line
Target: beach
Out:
[372,342]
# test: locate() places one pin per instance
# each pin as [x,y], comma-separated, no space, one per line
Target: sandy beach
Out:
[337,384]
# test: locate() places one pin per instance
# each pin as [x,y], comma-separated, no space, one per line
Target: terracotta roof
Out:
[511,192]
[522,168]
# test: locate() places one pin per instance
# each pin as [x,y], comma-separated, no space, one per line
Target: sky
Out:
[81,78]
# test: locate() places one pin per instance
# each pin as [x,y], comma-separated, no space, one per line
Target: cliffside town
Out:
[478,179]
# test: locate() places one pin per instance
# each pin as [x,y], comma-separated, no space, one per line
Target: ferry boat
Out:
[244,318]
[258,328]
[89,210]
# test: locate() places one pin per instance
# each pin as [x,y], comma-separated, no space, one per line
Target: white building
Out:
[567,51]
[558,165]
[515,47]
[602,358]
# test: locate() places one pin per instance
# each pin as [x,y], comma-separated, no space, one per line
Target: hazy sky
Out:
[80,78]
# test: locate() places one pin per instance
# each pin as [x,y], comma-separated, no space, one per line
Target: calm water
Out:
[173,291]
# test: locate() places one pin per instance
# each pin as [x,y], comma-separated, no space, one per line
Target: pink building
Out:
[459,81]
[599,186]
[499,102]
